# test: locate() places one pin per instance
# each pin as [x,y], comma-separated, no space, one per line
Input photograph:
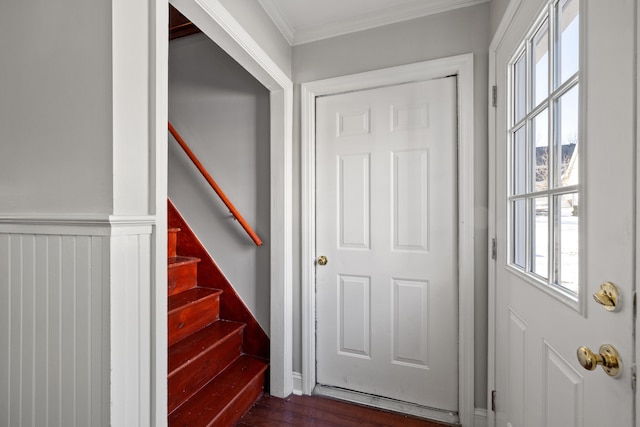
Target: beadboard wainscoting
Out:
[75,320]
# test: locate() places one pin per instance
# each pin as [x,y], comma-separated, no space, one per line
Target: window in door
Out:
[544,140]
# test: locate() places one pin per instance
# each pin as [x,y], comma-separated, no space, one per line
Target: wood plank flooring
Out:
[317,411]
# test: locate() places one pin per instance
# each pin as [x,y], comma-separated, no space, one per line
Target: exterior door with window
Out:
[565,213]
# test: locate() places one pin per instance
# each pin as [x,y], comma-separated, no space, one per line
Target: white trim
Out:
[77,224]
[279,18]
[491,218]
[362,21]
[220,26]
[480,418]
[504,25]
[461,65]
[637,184]
[297,384]
[158,172]
[130,317]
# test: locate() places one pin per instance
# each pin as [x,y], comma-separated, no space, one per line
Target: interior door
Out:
[386,228]
[564,209]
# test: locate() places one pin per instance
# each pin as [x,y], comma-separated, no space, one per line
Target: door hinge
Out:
[494,96]
[493,400]
[494,248]
[633,378]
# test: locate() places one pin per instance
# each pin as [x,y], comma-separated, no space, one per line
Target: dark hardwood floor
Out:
[322,412]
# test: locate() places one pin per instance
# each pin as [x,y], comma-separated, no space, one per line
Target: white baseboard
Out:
[480,418]
[297,383]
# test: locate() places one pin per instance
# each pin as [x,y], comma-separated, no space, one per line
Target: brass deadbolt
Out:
[608,296]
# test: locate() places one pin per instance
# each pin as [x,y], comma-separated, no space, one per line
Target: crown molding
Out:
[278,17]
[399,13]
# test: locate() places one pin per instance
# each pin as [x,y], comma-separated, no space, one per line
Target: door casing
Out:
[462,66]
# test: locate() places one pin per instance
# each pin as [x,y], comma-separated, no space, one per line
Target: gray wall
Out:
[223,114]
[55,107]
[452,33]
[497,9]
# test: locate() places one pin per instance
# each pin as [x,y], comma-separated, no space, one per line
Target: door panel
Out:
[387,222]
[539,381]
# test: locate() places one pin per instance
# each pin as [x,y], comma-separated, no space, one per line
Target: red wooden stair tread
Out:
[224,391]
[190,296]
[193,345]
[177,261]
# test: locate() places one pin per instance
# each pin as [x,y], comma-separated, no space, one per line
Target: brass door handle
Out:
[322,260]
[608,358]
[608,296]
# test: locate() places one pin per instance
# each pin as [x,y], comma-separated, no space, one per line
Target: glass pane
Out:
[568,241]
[541,139]
[520,88]
[540,71]
[519,232]
[519,165]
[567,139]
[540,237]
[568,53]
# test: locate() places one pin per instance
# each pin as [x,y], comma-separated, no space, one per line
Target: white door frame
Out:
[221,27]
[462,66]
[510,12]
[637,284]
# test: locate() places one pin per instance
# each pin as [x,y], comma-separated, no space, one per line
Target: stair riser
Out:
[187,320]
[182,277]
[188,379]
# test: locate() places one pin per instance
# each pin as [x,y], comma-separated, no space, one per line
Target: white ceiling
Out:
[304,21]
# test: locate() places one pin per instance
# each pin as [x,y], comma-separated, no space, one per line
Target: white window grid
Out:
[554,190]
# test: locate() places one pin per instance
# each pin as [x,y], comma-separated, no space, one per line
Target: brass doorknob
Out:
[322,260]
[608,358]
[608,296]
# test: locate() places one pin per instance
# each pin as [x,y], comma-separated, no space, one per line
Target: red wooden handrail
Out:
[215,187]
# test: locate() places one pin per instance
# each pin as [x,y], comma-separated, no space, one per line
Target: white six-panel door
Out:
[386,209]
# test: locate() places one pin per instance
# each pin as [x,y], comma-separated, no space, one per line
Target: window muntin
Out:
[543,150]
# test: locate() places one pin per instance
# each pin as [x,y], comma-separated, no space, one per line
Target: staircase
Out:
[212,381]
